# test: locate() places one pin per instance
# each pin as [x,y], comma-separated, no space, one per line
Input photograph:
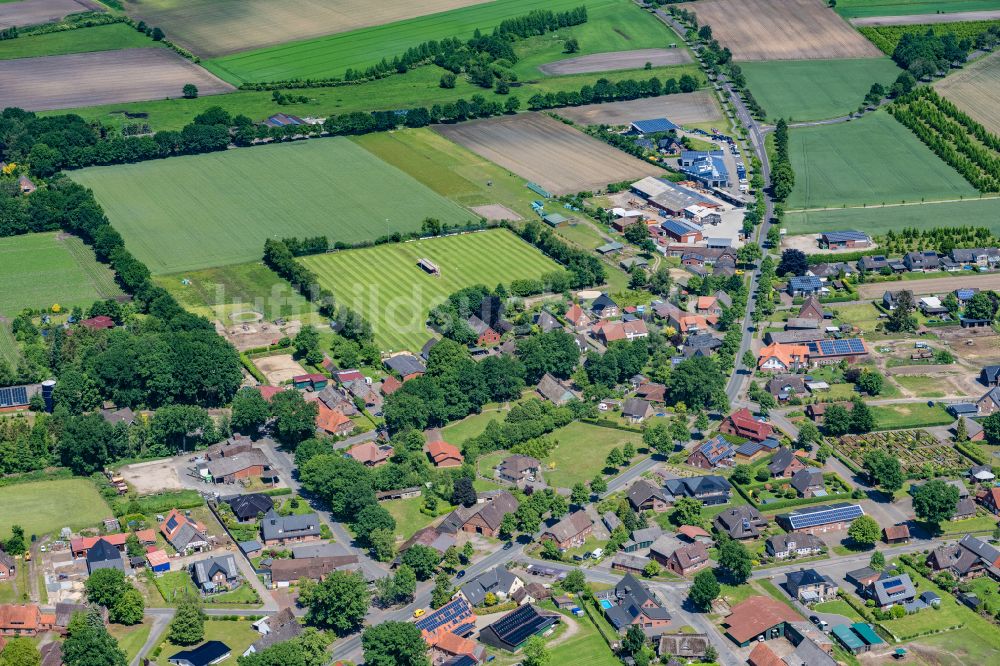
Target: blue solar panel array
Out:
[451,612]
[837,347]
[654,125]
[14,396]
[825,515]
[843,236]
[518,625]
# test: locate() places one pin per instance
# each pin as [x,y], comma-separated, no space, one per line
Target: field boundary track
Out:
[543,150]
[33,12]
[103,77]
[926,19]
[101,277]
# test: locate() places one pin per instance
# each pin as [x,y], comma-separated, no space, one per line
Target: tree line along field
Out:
[781,30]
[886,37]
[799,90]
[866,8]
[387,287]
[871,160]
[212,28]
[82,40]
[878,219]
[418,88]
[976,90]
[204,211]
[331,55]
[44,269]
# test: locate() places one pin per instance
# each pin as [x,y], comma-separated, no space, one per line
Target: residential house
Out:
[286,572]
[332,421]
[740,522]
[652,392]
[636,410]
[25,185]
[514,629]
[610,331]
[687,559]
[778,357]
[783,546]
[230,469]
[968,558]
[205,654]
[485,336]
[371,454]
[249,507]
[554,390]
[785,387]
[104,556]
[785,464]
[631,603]
[809,586]
[577,317]
[844,239]
[708,305]
[701,344]
[481,518]
[278,530]
[820,519]
[742,424]
[81,545]
[571,531]
[433,537]
[278,628]
[390,385]
[759,617]
[925,260]
[518,468]
[990,375]
[216,574]
[406,366]
[862,578]
[873,263]
[989,402]
[183,533]
[805,285]
[716,452]
[499,582]
[808,482]
[889,298]
[710,490]
[981,257]
[812,310]
[890,590]
[684,646]
[750,450]
[603,307]
[450,649]
[645,496]
[8,566]
[443,454]
[456,616]
[98,323]
[24,620]
[337,398]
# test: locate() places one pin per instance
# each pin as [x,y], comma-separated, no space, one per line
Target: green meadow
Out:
[83,40]
[878,219]
[864,8]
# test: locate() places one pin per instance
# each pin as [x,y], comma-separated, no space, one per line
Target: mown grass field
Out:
[46,506]
[909,415]
[582,451]
[878,220]
[385,284]
[41,270]
[84,40]
[800,90]
[872,160]
[218,292]
[332,55]
[212,210]
[865,8]
[8,346]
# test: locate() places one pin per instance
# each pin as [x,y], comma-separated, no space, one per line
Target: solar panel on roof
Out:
[13,396]
[448,613]
[822,517]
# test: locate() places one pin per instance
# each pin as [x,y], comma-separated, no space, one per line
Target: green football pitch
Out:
[385,284]
[872,160]
[42,270]
[203,211]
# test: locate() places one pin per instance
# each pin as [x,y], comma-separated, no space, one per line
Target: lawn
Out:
[839,607]
[471,426]
[41,270]
[871,160]
[800,90]
[130,639]
[585,648]
[334,54]
[218,292]
[385,284]
[979,524]
[84,40]
[863,8]
[46,506]
[237,634]
[949,614]
[976,644]
[409,517]
[9,350]
[203,211]
[878,220]
[582,451]
[910,415]
[922,386]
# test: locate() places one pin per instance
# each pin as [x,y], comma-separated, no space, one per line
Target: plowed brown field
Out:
[607,62]
[976,90]
[30,12]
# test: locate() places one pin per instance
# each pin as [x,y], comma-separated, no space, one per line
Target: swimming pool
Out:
[605,604]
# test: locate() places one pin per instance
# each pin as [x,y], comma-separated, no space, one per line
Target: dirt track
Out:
[682,109]
[87,79]
[541,149]
[782,30]
[606,62]
[931,286]
[31,12]
[923,19]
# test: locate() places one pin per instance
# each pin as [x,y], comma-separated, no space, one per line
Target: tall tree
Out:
[294,418]
[884,470]
[935,501]
[394,644]
[90,644]
[20,652]
[188,625]
[250,411]
[704,590]
[734,562]
[338,603]
[864,531]
[901,318]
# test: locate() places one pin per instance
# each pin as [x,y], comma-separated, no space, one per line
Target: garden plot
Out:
[918,451]
[782,30]
[541,149]
[683,109]
[31,12]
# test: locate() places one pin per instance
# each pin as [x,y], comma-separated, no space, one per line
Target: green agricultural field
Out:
[334,54]
[84,40]
[202,211]
[800,90]
[878,220]
[910,415]
[385,285]
[582,451]
[886,37]
[871,160]
[865,8]
[40,270]
[42,507]
[216,293]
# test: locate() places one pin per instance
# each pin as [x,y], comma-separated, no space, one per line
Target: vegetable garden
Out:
[920,453]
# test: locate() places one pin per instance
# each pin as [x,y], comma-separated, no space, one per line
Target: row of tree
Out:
[782,174]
